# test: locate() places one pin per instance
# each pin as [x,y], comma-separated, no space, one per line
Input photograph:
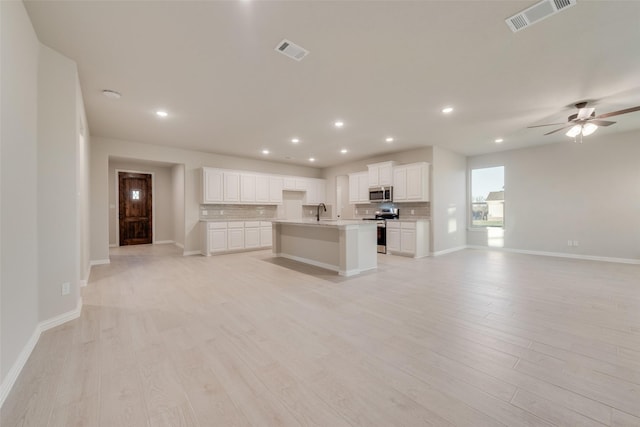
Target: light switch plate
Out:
[66,288]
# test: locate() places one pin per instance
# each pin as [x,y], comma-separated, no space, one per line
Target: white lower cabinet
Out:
[215,240]
[235,236]
[220,237]
[408,238]
[252,234]
[266,234]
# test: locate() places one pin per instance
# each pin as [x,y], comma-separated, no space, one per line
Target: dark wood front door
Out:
[135,208]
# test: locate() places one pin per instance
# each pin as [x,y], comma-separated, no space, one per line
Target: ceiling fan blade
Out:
[617,113]
[601,122]
[548,124]
[559,129]
[584,113]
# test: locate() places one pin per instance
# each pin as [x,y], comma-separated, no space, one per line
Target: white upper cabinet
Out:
[231,187]
[411,183]
[359,187]
[275,189]
[247,188]
[262,188]
[316,191]
[239,187]
[212,185]
[400,183]
[381,174]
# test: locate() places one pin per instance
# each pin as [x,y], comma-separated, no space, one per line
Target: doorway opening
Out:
[135,208]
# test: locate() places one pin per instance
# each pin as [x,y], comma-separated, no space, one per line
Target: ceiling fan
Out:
[585,122]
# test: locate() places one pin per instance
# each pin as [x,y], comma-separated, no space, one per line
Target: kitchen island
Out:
[345,246]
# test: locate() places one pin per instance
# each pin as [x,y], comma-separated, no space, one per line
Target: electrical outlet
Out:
[569,242]
[66,288]
[221,212]
[575,243]
[366,211]
[205,213]
[356,211]
[413,212]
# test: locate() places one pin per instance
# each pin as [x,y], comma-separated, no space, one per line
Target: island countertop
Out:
[339,223]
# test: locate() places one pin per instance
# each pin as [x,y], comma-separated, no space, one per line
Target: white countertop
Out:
[341,223]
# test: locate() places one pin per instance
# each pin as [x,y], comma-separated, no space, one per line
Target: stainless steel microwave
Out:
[381,194]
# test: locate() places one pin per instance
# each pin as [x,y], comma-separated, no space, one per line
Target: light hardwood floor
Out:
[473,338]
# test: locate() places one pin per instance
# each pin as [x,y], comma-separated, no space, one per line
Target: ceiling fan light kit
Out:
[585,122]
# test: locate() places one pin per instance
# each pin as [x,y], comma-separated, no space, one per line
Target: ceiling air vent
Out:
[537,12]
[292,50]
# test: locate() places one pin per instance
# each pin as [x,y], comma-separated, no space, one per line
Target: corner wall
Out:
[177,181]
[18,179]
[587,192]
[448,201]
[58,202]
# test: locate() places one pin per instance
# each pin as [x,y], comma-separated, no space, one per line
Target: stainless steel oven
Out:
[380,218]
[382,236]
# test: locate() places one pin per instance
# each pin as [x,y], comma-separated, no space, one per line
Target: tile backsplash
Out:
[417,210]
[231,212]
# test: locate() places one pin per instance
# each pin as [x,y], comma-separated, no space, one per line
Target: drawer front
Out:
[235,224]
[408,225]
[265,223]
[216,225]
[252,224]
[393,224]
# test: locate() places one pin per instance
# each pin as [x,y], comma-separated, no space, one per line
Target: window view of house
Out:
[487,197]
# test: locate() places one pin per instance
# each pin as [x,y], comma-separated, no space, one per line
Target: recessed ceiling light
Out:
[111,94]
[389,139]
[447,110]
[161,113]
[295,140]
[265,151]
[499,140]
[338,123]
[311,159]
[344,151]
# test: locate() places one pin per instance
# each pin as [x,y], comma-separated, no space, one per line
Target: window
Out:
[135,194]
[487,197]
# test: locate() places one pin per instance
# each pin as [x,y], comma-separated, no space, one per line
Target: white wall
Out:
[103,148]
[177,182]
[448,200]
[58,239]
[162,191]
[18,179]
[587,192]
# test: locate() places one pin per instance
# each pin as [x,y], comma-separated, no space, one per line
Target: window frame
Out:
[478,227]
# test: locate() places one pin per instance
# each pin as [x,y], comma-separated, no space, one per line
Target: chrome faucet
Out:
[321,205]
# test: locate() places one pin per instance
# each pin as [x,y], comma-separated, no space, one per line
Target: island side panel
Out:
[357,249]
[312,244]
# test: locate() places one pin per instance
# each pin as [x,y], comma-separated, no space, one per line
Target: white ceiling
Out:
[384,67]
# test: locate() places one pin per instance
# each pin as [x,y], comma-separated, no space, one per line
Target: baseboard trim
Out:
[190,253]
[561,255]
[99,261]
[163,242]
[62,318]
[180,245]
[113,245]
[450,250]
[317,264]
[14,372]
[16,369]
